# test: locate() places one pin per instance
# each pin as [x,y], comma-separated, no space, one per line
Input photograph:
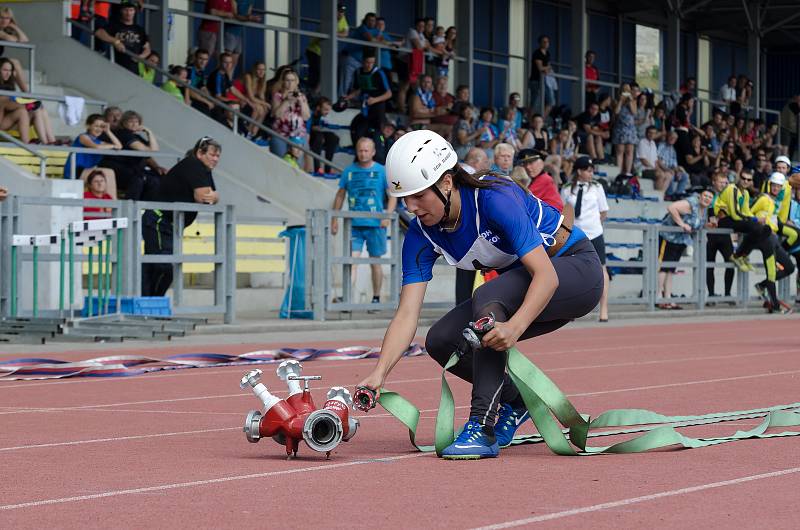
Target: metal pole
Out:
[35,281]
[61,256]
[118,268]
[221,37]
[13,281]
[31,73]
[107,278]
[91,282]
[100,273]
[71,271]
[230,279]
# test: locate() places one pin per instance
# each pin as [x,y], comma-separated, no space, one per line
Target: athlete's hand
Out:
[502,337]
[373,381]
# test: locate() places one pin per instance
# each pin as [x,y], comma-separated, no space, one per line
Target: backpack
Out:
[626,185]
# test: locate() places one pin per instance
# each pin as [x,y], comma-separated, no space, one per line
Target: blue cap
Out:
[297,140]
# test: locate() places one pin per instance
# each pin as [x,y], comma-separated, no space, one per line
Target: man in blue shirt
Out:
[364,185]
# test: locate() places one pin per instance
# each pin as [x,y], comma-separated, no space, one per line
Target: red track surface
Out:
[166,449]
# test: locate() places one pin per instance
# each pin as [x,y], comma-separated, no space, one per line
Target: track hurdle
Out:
[35,242]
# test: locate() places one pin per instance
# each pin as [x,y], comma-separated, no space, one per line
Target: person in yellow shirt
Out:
[768,206]
[732,209]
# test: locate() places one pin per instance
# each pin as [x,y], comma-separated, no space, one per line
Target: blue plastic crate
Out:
[131,305]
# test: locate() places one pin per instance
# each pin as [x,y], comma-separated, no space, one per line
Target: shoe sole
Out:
[467,457]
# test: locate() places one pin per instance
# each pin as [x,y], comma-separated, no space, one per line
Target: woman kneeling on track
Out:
[549,274]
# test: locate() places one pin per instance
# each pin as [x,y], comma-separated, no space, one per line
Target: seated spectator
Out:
[112,115]
[542,185]
[660,122]
[131,172]
[36,112]
[290,112]
[96,189]
[669,175]
[147,69]
[255,85]
[11,32]
[171,87]
[728,92]
[698,162]
[15,116]
[98,136]
[371,87]
[564,146]
[124,34]
[444,104]
[690,215]
[503,159]
[607,115]
[321,136]
[476,161]
[464,132]
[294,153]
[541,140]
[384,140]
[198,80]
[647,155]
[224,86]
[507,131]
[514,102]
[462,100]
[490,136]
[423,108]
[591,133]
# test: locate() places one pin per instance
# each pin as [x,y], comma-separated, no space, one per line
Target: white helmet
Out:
[784,159]
[416,161]
[777,178]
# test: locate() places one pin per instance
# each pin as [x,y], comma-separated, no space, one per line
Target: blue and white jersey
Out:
[498,226]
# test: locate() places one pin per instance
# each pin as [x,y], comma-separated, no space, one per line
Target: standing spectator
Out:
[208,36]
[351,55]
[448,52]
[198,80]
[647,155]
[514,102]
[591,133]
[124,35]
[290,111]
[503,159]
[728,93]
[415,39]
[384,37]
[98,136]
[540,67]
[147,69]
[321,136]
[314,50]
[718,242]
[591,209]
[689,215]
[172,87]
[364,185]
[372,89]
[591,73]
[624,134]
[190,180]
[644,115]
[689,86]
[234,33]
[669,175]
[790,114]
[464,133]
[130,171]
[507,131]
[11,32]
[96,189]
[542,184]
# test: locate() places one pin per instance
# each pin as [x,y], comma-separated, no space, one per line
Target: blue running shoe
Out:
[472,444]
[508,421]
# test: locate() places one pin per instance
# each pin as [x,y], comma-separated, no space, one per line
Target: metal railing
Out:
[237,114]
[31,50]
[17,212]
[50,97]
[22,145]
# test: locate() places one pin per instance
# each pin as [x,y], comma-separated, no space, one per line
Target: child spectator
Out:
[147,69]
[321,137]
[36,112]
[490,136]
[294,153]
[96,189]
[171,87]
[98,136]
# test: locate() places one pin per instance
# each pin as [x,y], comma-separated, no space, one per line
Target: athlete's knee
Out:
[439,342]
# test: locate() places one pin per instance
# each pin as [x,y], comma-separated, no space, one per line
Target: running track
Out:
[166,449]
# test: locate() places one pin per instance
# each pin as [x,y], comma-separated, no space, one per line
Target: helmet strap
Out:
[445,200]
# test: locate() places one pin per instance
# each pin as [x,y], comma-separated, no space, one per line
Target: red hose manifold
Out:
[296,418]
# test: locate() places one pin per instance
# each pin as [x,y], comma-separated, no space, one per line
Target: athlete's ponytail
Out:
[462,178]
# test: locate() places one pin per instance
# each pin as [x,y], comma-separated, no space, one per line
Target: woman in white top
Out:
[591,209]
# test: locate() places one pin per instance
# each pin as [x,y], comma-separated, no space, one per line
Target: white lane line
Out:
[195,483]
[118,439]
[636,500]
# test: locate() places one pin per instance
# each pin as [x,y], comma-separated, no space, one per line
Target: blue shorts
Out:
[375,238]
